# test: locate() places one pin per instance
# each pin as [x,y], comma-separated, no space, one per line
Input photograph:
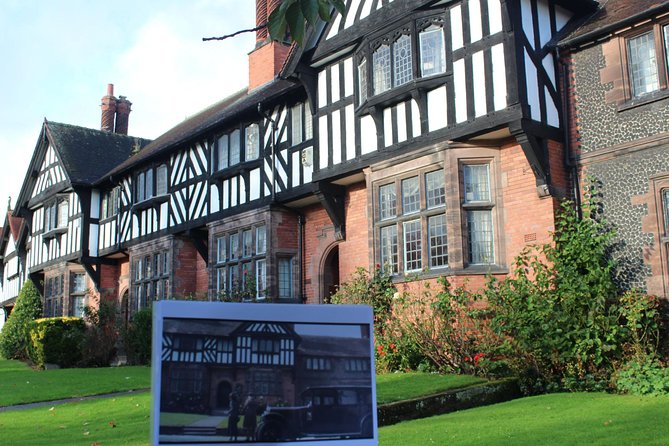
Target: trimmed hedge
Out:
[15,335]
[57,340]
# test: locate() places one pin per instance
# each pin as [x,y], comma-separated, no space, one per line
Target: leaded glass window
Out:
[285,278]
[296,124]
[234,147]
[381,67]
[402,62]
[432,54]
[223,149]
[252,142]
[480,237]
[643,64]
[261,240]
[362,80]
[261,278]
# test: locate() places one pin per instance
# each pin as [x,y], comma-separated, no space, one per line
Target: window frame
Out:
[150,278]
[661,59]
[232,148]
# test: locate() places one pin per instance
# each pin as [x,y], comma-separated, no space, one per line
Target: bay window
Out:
[241,280]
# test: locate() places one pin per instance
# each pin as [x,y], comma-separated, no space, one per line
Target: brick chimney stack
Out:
[108,110]
[115,112]
[266,60]
[122,115]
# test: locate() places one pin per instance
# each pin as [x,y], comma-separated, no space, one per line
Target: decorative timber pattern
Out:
[50,174]
[541,21]
[56,230]
[356,10]
[472,86]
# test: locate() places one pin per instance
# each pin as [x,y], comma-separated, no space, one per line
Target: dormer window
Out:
[392,57]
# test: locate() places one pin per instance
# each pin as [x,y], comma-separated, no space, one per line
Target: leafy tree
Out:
[15,335]
[296,15]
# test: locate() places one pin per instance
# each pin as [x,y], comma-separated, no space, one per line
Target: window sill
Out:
[53,233]
[470,270]
[236,169]
[401,93]
[149,202]
[644,100]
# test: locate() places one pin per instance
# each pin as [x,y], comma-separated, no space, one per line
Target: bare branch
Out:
[251,30]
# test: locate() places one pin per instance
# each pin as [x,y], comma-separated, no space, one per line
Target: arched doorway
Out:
[330,274]
[125,314]
[223,395]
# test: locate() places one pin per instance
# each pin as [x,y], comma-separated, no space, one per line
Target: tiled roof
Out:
[87,154]
[192,128]
[614,14]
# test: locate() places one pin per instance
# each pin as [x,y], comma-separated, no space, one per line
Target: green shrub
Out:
[15,335]
[57,340]
[102,334]
[137,338]
[644,376]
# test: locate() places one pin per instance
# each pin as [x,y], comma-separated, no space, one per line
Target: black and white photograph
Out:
[227,374]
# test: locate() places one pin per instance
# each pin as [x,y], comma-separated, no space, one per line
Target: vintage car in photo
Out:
[326,412]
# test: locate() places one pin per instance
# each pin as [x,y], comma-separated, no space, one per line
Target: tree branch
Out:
[251,30]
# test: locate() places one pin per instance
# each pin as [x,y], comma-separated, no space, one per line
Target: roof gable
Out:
[87,154]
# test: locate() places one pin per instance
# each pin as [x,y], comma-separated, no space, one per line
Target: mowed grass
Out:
[20,384]
[112,421]
[393,387]
[557,419]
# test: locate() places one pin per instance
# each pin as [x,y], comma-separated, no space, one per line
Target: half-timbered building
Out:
[425,136]
[615,69]
[54,224]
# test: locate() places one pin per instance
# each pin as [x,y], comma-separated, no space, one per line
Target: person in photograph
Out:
[233,415]
[250,417]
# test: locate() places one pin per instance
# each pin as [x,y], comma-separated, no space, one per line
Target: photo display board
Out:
[264,374]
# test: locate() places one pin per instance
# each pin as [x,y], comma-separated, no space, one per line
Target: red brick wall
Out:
[319,240]
[355,251]
[190,273]
[265,62]
[109,280]
[528,218]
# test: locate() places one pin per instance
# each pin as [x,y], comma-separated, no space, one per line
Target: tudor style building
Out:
[428,136]
[616,71]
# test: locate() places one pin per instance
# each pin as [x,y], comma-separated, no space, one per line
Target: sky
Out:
[57,57]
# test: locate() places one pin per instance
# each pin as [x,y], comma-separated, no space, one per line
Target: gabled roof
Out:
[613,15]
[228,110]
[88,154]
[15,224]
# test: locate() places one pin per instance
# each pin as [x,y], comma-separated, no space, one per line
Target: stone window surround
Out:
[659,259]
[66,271]
[616,70]
[246,220]
[451,159]
[140,251]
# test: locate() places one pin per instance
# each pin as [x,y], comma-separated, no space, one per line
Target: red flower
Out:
[393,346]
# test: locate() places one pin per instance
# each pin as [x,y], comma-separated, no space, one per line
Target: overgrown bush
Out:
[642,376]
[102,334]
[15,335]
[564,325]
[137,338]
[56,340]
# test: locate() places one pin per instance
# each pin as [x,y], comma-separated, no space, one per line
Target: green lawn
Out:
[403,386]
[20,384]
[558,419]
